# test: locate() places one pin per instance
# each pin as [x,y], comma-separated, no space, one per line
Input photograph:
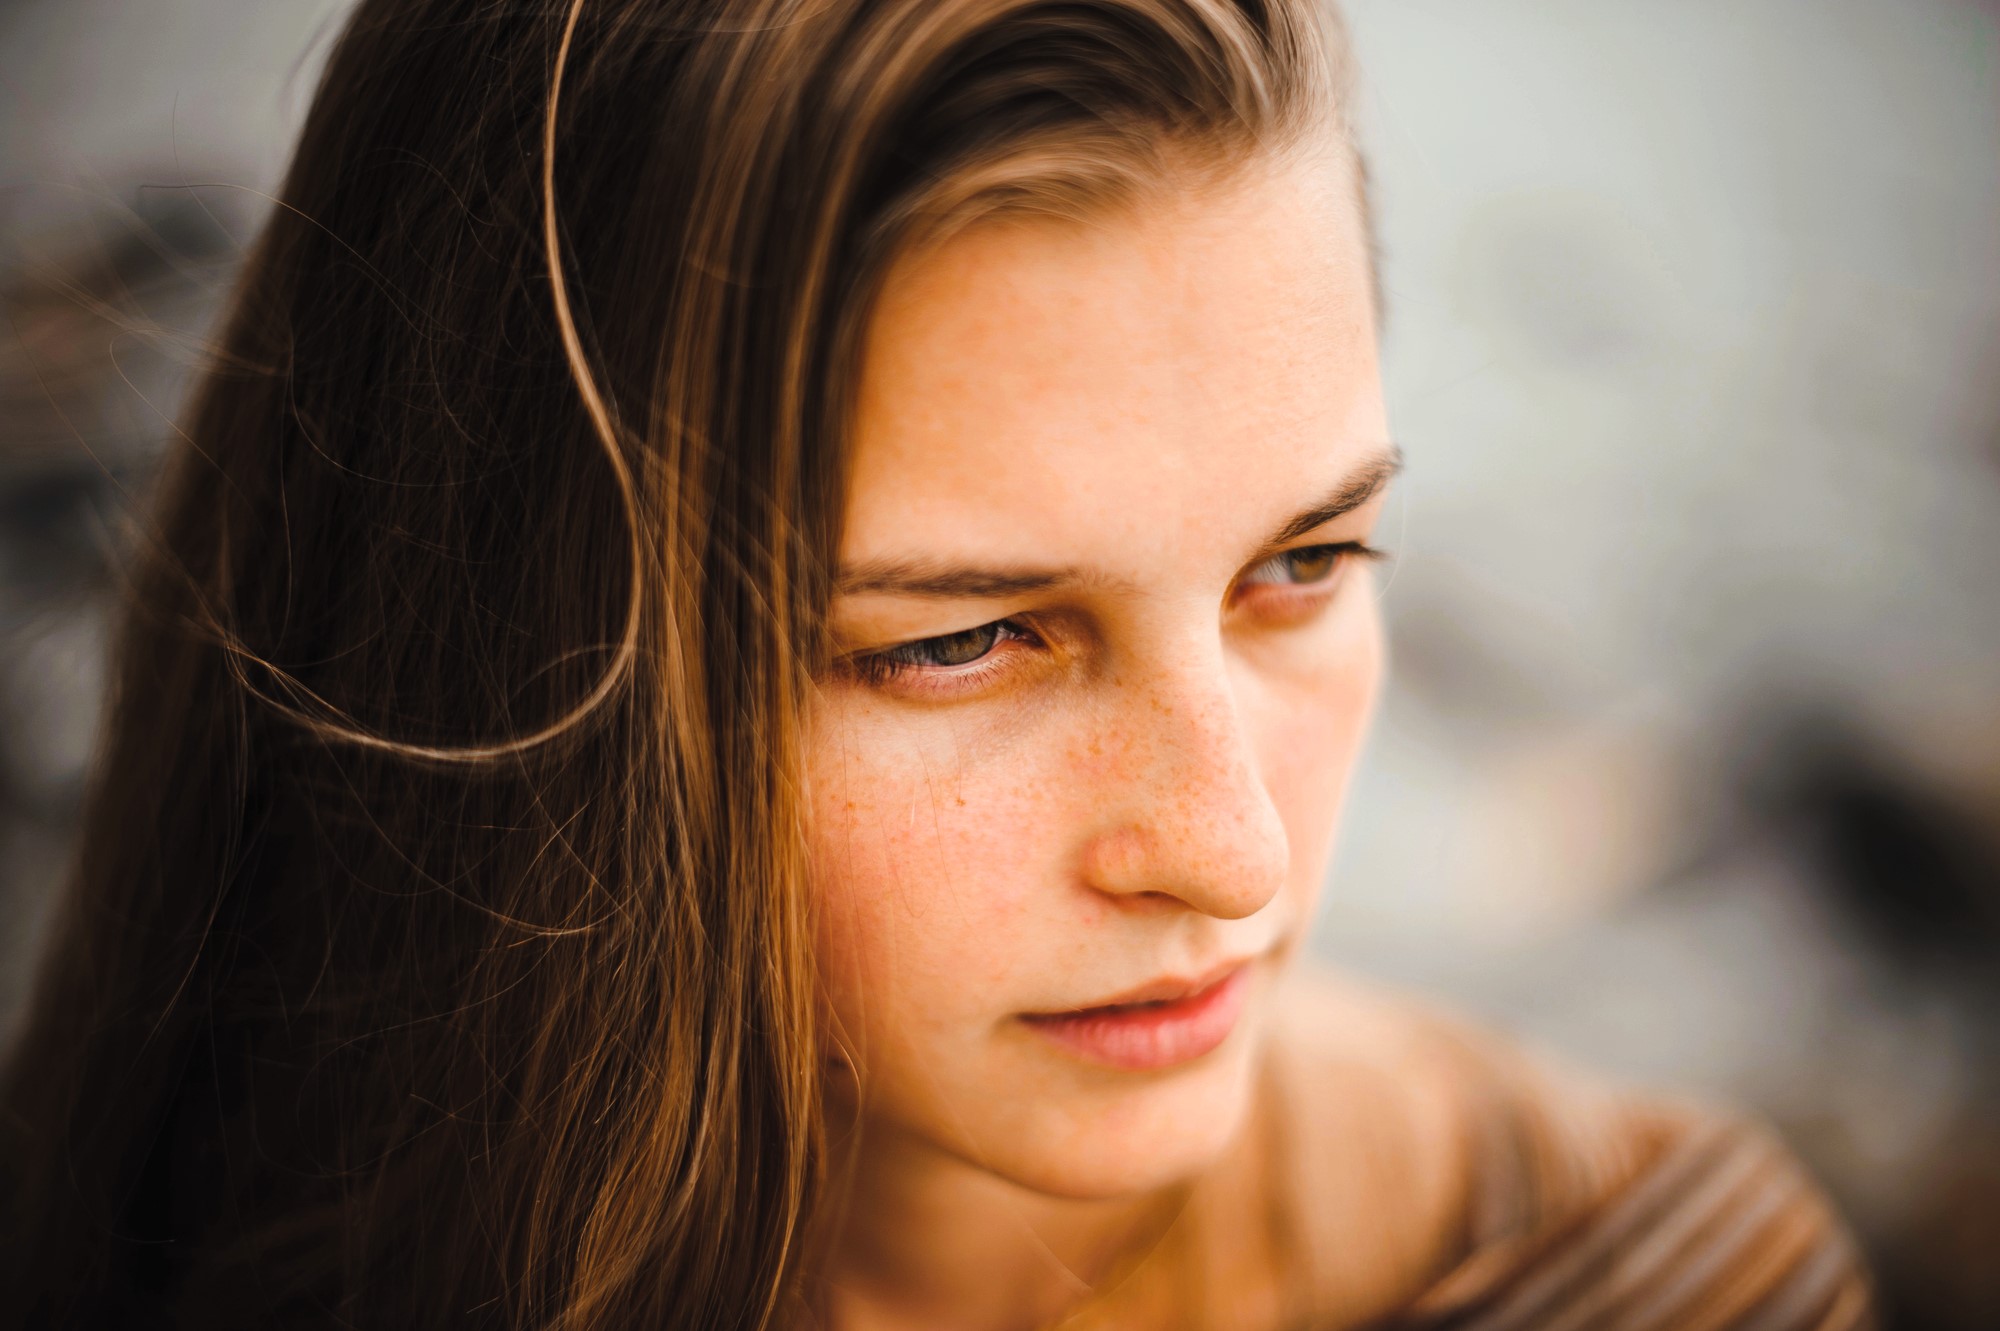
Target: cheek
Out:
[1311,732]
[924,867]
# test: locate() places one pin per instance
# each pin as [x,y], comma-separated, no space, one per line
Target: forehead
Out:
[1051,389]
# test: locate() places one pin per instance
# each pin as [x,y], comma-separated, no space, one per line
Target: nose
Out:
[1191,818]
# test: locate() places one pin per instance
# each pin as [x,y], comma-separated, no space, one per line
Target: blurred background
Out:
[1691,765]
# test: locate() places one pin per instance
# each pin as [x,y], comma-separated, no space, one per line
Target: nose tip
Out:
[1200,825]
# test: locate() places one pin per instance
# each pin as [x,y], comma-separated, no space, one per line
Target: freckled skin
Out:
[1155,789]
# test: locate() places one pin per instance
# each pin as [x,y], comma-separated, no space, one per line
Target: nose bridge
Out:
[1211,832]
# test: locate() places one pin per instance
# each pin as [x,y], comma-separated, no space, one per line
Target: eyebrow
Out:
[947,581]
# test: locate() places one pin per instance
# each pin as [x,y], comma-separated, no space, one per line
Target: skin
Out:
[1140,775]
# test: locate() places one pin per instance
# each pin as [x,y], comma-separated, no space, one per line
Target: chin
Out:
[1117,1134]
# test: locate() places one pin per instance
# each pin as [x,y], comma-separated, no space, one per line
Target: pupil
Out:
[1313,564]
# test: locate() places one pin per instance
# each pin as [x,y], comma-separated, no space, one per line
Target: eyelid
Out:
[1345,551]
[877,666]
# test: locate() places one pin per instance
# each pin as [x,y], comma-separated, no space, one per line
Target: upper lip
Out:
[1166,989]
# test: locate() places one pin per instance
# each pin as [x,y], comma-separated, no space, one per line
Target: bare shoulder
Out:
[1446,1175]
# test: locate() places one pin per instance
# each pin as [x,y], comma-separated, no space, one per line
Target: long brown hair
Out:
[438,951]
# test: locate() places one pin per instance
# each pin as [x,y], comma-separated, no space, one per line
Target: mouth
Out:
[1159,1025]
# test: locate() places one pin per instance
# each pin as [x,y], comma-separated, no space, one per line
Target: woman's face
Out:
[1109,644]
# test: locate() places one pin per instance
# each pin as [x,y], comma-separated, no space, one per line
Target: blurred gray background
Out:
[1691,764]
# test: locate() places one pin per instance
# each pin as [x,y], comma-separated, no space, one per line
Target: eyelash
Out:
[883,666]
[1342,551]
[890,663]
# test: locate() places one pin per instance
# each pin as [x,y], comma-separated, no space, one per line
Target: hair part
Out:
[439,947]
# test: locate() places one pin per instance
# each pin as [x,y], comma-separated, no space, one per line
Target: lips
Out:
[1158,1025]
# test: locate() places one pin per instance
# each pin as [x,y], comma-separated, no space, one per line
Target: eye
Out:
[951,659]
[1307,566]
[950,649]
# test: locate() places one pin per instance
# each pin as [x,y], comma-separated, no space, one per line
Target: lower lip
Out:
[1142,1037]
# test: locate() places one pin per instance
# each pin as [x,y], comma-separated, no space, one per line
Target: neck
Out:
[923,1238]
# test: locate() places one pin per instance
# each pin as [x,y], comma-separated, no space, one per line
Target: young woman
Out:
[734,708]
